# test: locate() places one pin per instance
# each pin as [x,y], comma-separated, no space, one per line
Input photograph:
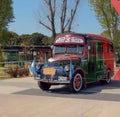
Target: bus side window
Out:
[99,48]
[92,51]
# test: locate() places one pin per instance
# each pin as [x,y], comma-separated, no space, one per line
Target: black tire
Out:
[107,78]
[44,86]
[76,83]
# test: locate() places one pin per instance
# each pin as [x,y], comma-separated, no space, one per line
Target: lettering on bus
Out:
[70,40]
[60,40]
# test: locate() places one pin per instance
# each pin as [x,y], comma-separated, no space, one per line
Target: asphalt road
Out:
[109,92]
[22,98]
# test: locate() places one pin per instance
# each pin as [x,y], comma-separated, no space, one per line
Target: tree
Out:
[6,16]
[13,39]
[3,37]
[47,41]
[25,39]
[116,40]
[59,13]
[6,13]
[107,16]
[36,39]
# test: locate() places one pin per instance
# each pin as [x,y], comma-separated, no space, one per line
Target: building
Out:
[26,53]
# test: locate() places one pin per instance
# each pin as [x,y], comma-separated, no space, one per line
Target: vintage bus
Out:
[78,59]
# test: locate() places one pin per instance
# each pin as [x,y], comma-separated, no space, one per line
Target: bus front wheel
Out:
[76,83]
[44,86]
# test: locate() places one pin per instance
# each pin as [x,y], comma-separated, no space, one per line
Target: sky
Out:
[26,20]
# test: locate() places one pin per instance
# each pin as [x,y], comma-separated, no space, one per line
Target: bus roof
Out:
[96,36]
[88,36]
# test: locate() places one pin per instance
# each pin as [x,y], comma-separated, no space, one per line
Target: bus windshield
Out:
[71,49]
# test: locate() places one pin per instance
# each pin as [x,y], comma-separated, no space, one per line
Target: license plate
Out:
[49,71]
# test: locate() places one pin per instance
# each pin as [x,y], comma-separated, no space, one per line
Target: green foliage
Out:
[116,40]
[36,39]
[47,41]
[3,37]
[6,16]
[105,34]
[13,39]
[6,13]
[25,39]
[106,15]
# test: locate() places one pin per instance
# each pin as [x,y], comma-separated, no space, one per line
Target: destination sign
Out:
[69,40]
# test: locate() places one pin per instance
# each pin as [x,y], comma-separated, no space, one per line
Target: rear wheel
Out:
[44,86]
[76,83]
[107,78]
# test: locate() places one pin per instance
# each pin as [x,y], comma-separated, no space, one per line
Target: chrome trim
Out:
[52,81]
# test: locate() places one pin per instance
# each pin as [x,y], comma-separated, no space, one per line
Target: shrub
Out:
[18,71]
[13,71]
[26,71]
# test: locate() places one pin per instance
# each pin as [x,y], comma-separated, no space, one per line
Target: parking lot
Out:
[22,97]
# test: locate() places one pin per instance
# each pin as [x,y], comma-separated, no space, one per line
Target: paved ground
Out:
[23,98]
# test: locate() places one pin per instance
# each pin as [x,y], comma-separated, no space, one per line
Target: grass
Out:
[3,73]
[4,78]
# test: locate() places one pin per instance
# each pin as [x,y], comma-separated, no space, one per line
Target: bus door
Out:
[100,63]
[91,76]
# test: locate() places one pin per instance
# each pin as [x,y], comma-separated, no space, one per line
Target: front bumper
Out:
[52,81]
